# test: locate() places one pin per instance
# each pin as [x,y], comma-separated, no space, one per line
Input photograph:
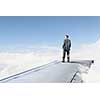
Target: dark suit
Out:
[66,48]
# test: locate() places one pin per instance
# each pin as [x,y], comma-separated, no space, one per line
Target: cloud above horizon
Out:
[92,52]
[13,62]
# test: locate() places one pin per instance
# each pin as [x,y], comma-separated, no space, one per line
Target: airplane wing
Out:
[54,72]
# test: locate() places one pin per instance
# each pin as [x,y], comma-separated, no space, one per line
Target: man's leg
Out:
[64,54]
[68,56]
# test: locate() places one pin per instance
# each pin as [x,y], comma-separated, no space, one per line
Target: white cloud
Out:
[90,51]
[11,63]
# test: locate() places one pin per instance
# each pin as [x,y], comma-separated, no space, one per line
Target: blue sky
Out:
[30,31]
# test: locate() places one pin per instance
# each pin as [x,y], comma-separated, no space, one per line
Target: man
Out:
[66,48]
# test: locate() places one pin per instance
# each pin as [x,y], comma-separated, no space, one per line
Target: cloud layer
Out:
[13,62]
[92,52]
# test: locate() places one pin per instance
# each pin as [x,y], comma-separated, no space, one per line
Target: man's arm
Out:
[64,44]
[70,43]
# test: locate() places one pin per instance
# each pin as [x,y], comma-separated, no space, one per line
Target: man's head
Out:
[66,36]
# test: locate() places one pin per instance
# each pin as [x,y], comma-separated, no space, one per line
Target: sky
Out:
[43,34]
[24,31]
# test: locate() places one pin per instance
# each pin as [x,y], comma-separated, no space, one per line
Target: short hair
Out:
[67,36]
